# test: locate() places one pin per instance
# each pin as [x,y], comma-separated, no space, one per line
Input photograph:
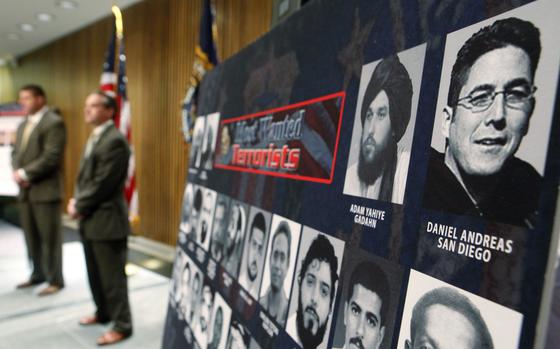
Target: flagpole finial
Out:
[118,20]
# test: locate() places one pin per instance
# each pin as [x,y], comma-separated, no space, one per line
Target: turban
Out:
[391,76]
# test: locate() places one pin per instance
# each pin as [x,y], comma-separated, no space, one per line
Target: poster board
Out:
[10,117]
[345,191]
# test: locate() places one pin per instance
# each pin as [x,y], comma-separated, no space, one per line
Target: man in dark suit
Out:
[36,161]
[100,206]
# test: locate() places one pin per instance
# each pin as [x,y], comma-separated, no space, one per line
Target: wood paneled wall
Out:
[160,36]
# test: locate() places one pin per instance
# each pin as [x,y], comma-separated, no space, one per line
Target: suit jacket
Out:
[99,188]
[41,159]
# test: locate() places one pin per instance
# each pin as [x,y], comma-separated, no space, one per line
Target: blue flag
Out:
[206,57]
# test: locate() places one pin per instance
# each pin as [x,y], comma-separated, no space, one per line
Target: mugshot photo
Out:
[180,271]
[279,268]
[224,147]
[190,216]
[432,305]
[256,239]
[186,209]
[384,126]
[369,296]
[195,158]
[191,291]
[209,141]
[205,219]
[221,317]
[493,117]
[234,237]
[202,321]
[314,288]
[219,227]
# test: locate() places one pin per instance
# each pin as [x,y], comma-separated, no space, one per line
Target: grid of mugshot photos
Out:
[259,280]
[247,278]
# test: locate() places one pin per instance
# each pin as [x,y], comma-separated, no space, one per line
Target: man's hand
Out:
[19,180]
[71,209]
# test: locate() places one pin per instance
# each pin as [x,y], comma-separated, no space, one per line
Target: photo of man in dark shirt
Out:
[490,103]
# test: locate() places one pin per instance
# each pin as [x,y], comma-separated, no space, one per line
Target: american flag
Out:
[114,83]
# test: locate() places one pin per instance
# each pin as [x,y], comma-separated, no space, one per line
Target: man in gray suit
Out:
[36,161]
[100,206]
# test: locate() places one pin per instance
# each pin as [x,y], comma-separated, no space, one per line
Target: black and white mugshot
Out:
[192,296]
[182,296]
[181,270]
[219,228]
[490,103]
[432,316]
[206,218]
[316,288]
[209,141]
[381,169]
[217,329]
[366,306]
[279,269]
[221,316]
[254,252]
[441,316]
[233,244]
[202,322]
[197,140]
[186,209]
[190,226]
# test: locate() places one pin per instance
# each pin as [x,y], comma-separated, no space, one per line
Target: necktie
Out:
[26,133]
[90,143]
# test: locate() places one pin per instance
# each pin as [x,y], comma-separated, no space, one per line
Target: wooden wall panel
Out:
[160,36]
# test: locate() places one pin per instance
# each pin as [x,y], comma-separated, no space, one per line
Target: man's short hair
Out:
[197,203]
[373,278]
[391,76]
[239,223]
[259,223]
[322,250]
[35,89]
[283,228]
[109,102]
[454,300]
[505,32]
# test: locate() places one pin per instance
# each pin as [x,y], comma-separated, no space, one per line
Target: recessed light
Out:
[13,36]
[67,4]
[26,27]
[44,17]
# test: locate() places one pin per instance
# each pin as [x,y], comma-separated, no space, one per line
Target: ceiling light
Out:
[44,17]
[13,36]
[67,4]
[26,27]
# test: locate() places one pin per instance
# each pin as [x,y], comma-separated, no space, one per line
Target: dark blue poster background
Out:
[328,47]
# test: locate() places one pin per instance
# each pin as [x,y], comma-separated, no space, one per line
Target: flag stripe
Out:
[115,85]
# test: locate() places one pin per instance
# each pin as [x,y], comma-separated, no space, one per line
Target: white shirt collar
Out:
[36,117]
[98,130]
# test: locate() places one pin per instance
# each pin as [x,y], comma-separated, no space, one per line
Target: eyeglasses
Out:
[517,97]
